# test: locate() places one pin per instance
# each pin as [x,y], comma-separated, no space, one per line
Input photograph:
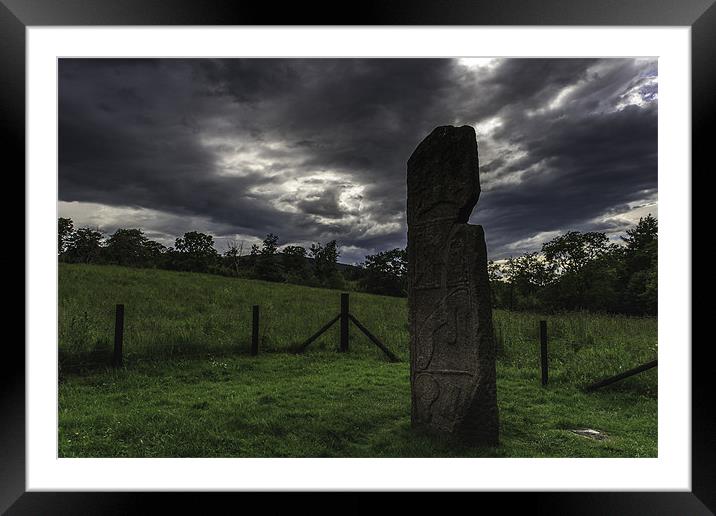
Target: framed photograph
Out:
[423,247]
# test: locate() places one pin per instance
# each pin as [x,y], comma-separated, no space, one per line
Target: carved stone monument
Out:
[452,346]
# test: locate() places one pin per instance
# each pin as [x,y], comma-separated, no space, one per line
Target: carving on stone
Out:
[450,318]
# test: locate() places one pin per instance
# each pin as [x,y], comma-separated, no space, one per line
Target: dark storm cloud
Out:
[313,149]
[580,158]
[580,168]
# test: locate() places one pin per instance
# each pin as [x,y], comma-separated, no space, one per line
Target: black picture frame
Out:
[16,15]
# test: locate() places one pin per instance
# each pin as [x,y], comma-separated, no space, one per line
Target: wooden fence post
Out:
[118,335]
[344,323]
[543,350]
[255,331]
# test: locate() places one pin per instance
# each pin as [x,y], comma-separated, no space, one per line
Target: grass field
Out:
[189,388]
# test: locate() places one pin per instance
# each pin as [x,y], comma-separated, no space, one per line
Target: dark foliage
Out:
[193,252]
[65,228]
[385,273]
[583,271]
[267,265]
[131,248]
[325,265]
[295,265]
[83,245]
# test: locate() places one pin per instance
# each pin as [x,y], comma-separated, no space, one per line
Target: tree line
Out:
[583,271]
[316,266]
[574,271]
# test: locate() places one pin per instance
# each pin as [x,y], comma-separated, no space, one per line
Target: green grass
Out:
[189,389]
[324,405]
[170,313]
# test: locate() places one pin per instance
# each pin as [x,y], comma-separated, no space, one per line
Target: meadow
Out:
[189,387]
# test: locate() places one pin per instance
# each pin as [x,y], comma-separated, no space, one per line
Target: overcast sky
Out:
[316,149]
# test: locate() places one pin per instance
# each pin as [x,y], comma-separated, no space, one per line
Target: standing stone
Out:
[452,346]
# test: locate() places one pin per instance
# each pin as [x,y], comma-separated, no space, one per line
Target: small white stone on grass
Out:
[590,433]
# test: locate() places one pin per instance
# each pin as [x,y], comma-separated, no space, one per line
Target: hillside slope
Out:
[169,313]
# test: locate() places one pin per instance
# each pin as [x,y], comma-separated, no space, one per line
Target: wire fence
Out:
[583,348]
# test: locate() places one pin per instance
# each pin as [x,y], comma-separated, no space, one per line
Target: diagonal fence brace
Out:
[320,332]
[374,339]
[621,376]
